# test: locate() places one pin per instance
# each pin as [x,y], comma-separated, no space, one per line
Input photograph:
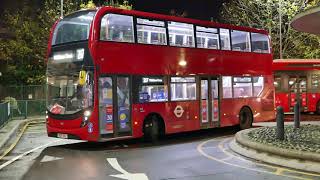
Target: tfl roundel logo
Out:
[178,111]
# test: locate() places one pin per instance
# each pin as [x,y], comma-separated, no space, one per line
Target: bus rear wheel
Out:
[151,129]
[245,118]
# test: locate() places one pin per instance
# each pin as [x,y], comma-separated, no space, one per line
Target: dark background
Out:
[198,9]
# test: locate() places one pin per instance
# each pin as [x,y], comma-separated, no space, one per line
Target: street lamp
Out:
[61,8]
[280,27]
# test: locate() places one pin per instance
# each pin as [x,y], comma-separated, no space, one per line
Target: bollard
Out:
[297,115]
[280,123]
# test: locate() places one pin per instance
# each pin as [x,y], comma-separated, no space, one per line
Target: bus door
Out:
[298,86]
[209,102]
[115,106]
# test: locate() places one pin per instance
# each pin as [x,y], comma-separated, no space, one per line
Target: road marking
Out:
[25,153]
[265,165]
[199,148]
[125,175]
[47,158]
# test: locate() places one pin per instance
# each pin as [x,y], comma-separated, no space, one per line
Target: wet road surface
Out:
[191,156]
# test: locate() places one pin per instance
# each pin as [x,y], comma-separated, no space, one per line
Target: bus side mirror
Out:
[82,77]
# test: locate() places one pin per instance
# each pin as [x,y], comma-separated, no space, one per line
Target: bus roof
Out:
[108,9]
[295,64]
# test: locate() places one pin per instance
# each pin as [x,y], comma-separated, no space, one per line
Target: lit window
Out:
[115,27]
[151,89]
[227,87]
[183,88]
[258,84]
[240,41]
[207,38]
[260,43]
[181,34]
[242,87]
[225,39]
[151,32]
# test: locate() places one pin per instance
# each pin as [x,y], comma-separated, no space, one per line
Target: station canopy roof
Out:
[308,21]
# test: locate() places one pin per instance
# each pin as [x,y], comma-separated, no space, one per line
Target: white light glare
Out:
[87,113]
[182,63]
[80,54]
[62,56]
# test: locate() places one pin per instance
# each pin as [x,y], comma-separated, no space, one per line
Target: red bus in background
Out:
[144,74]
[297,78]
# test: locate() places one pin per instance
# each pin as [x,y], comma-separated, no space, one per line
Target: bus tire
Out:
[151,129]
[245,118]
[318,107]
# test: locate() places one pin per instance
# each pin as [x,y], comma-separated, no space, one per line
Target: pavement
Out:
[301,160]
[10,130]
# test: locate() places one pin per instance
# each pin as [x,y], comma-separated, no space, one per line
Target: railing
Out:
[4,113]
[28,108]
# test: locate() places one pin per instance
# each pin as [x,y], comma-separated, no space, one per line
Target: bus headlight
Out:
[85,119]
[87,113]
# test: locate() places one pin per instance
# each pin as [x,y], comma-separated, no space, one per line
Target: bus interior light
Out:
[182,63]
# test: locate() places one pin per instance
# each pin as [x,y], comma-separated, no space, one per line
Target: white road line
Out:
[200,150]
[125,174]
[25,153]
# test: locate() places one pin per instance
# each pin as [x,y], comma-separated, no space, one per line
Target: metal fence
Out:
[23,102]
[28,108]
[4,113]
[30,92]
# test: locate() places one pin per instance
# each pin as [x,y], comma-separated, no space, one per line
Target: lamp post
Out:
[280,27]
[61,9]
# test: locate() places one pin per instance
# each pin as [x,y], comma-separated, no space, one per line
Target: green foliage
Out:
[89,5]
[26,52]
[264,14]
[115,3]
[13,102]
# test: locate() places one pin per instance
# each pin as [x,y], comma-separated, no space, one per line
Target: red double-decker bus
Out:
[297,79]
[144,74]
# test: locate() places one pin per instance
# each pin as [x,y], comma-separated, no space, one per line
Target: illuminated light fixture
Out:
[87,113]
[291,82]
[47,116]
[182,63]
[67,55]
[80,54]
[135,123]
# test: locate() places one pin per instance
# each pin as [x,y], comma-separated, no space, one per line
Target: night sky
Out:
[198,9]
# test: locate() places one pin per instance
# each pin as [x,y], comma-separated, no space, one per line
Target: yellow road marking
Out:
[18,138]
[279,171]
[199,148]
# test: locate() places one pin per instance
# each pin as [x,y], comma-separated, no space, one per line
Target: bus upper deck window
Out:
[240,41]
[116,27]
[260,43]
[151,32]
[207,37]
[181,34]
[225,39]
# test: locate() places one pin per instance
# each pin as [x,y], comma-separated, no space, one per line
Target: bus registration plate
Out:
[63,136]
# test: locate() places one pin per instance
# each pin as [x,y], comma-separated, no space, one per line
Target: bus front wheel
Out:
[151,129]
[245,118]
